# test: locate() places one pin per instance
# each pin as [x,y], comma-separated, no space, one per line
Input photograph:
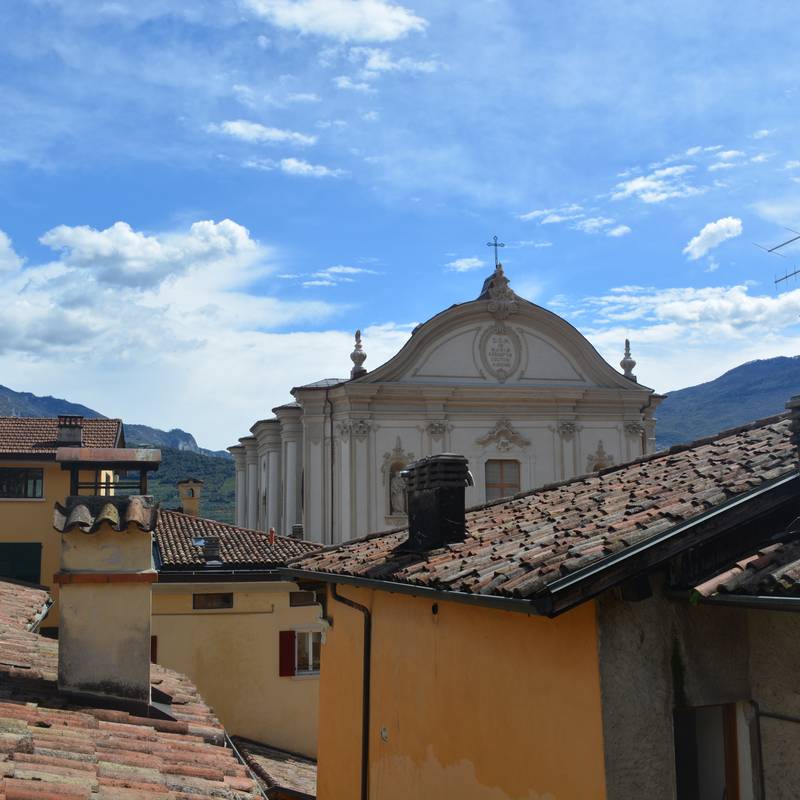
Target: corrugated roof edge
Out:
[678,448]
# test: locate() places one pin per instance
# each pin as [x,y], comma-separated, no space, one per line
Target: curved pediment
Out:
[499,338]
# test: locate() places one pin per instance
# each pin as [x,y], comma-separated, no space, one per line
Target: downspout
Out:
[330,434]
[365,721]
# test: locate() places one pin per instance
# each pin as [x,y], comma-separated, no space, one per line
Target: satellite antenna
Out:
[774,251]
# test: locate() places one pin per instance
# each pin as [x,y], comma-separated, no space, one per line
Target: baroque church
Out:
[506,383]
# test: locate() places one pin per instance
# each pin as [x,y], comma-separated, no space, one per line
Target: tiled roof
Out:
[771,571]
[516,547]
[37,435]
[239,547]
[22,606]
[279,770]
[89,513]
[53,748]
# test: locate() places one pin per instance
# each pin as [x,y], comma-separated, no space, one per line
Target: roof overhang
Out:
[108,457]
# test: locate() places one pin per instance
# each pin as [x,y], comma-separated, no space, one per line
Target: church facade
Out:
[506,383]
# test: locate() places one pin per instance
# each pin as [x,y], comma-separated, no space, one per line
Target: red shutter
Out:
[286,658]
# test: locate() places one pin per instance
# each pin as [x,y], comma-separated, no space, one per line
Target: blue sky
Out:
[199,206]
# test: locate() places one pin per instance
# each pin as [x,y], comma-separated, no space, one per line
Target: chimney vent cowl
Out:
[435,486]
[211,550]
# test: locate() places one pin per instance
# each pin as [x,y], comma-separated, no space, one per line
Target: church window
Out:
[502,478]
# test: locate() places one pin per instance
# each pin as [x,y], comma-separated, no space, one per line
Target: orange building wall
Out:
[474,703]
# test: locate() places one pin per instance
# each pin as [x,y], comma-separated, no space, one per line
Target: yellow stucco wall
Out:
[473,703]
[32,521]
[232,657]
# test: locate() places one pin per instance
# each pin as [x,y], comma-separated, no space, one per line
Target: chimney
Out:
[104,579]
[435,487]
[211,551]
[794,415]
[297,531]
[70,430]
[190,491]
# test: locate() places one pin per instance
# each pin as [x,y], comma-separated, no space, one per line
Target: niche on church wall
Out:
[395,495]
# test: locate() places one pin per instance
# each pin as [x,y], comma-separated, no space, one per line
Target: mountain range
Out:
[751,391]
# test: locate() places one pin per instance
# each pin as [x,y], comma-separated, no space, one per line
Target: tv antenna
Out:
[774,251]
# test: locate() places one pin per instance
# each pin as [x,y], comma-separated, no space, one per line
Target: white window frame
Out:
[305,670]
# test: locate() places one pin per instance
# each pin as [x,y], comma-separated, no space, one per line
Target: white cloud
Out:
[370,116]
[341,269]
[121,256]
[535,243]
[712,235]
[762,134]
[729,155]
[318,282]
[346,20]
[760,158]
[66,327]
[343,82]
[262,41]
[794,164]
[658,186]
[255,132]
[619,230]
[783,211]
[466,264]
[593,224]
[9,260]
[551,215]
[684,336]
[376,60]
[304,97]
[693,151]
[296,166]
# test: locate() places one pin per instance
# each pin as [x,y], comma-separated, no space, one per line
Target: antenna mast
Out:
[774,251]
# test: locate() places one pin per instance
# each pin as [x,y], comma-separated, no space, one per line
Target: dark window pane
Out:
[213,600]
[316,645]
[21,561]
[302,599]
[20,482]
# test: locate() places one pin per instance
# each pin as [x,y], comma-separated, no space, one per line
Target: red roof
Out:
[516,547]
[37,435]
[53,748]
[239,547]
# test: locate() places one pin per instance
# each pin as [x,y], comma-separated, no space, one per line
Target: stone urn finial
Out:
[627,362]
[358,357]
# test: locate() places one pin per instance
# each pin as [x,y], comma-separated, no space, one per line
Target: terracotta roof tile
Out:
[89,513]
[22,605]
[517,546]
[239,547]
[52,748]
[37,435]
[770,571]
[277,769]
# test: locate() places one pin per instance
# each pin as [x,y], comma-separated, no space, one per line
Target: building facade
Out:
[510,385]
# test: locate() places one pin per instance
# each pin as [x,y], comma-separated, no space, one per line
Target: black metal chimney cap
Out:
[443,469]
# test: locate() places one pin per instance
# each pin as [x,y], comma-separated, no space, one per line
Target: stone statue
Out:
[397,493]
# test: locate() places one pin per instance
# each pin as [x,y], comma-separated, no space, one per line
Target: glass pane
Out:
[511,473]
[493,493]
[303,655]
[492,472]
[316,644]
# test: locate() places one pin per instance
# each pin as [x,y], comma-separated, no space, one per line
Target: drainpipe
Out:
[365,721]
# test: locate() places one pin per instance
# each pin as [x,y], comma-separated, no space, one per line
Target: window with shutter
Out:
[286,640]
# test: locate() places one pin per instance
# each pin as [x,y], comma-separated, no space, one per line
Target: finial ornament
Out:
[627,362]
[358,357]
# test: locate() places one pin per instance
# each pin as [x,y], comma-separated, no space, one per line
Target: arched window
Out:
[502,478]
[190,492]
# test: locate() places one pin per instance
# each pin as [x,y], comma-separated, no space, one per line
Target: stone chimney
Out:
[435,487]
[105,576]
[70,430]
[190,492]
